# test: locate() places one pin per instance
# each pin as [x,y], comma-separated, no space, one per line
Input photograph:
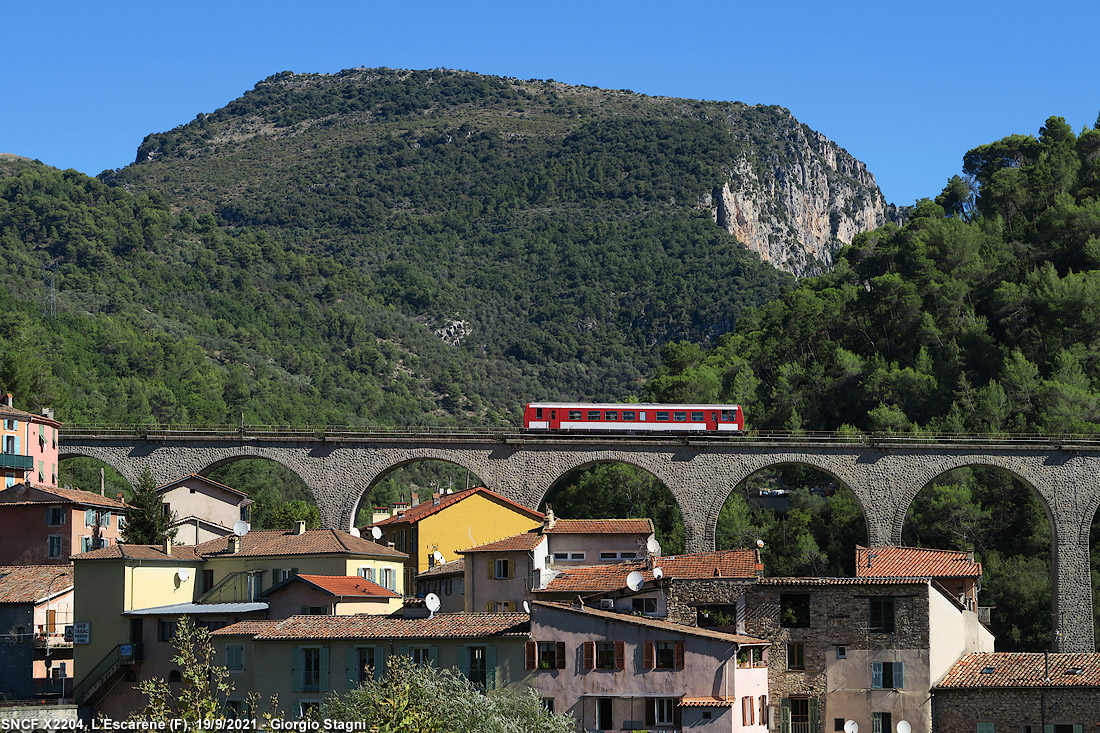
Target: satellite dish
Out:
[658,573]
[526,607]
[760,543]
[432,602]
[354,532]
[653,546]
[438,557]
[376,533]
[183,574]
[634,580]
[851,726]
[904,727]
[450,491]
[240,528]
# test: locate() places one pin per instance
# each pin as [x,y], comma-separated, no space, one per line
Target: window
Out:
[502,569]
[609,556]
[679,416]
[422,656]
[604,655]
[364,661]
[838,724]
[666,654]
[386,578]
[794,610]
[500,607]
[662,416]
[121,522]
[800,712]
[551,655]
[54,545]
[643,605]
[307,708]
[235,709]
[887,675]
[55,516]
[697,417]
[568,556]
[628,415]
[796,656]
[747,710]
[593,414]
[881,723]
[882,615]
[548,704]
[611,415]
[477,673]
[166,629]
[89,543]
[246,512]
[207,579]
[665,711]
[984,727]
[234,657]
[842,652]
[574,414]
[311,669]
[367,573]
[89,517]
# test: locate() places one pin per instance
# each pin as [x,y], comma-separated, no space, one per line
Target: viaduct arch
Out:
[883,474]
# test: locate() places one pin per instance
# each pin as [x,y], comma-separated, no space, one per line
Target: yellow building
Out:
[452,522]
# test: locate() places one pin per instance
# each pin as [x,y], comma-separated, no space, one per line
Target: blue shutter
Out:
[899,675]
[89,517]
[105,519]
[17,442]
[296,669]
[491,668]
[351,668]
[323,686]
[464,661]
[876,675]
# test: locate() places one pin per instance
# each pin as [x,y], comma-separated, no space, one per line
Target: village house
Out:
[202,509]
[28,445]
[448,582]
[36,603]
[46,525]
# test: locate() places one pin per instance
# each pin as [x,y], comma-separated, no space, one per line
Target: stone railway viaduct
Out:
[884,474]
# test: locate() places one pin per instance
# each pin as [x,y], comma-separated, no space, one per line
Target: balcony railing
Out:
[16,461]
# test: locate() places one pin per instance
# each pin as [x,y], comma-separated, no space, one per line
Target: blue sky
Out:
[908,87]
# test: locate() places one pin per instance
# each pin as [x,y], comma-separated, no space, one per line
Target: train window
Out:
[680,416]
[574,414]
[725,415]
[628,414]
[611,415]
[593,414]
[662,416]
[697,417]
[641,415]
[713,416]
[538,413]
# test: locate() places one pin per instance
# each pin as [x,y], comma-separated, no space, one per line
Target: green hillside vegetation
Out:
[981,315]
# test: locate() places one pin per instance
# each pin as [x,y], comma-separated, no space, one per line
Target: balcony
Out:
[16,461]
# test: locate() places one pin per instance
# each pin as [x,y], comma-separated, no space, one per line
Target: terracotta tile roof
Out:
[212,482]
[707,702]
[642,525]
[245,628]
[1023,669]
[427,508]
[843,581]
[454,567]
[915,562]
[180,553]
[31,494]
[276,542]
[348,586]
[368,626]
[694,566]
[525,541]
[652,623]
[16,412]
[31,583]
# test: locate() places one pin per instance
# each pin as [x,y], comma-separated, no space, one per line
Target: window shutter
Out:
[490,607]
[379,662]
[559,648]
[464,661]
[294,571]
[589,655]
[648,656]
[1077,728]
[876,675]
[529,661]
[746,710]
[676,718]
[679,662]
[490,668]
[403,651]
[899,675]
[620,655]
[433,656]
[351,668]
[812,704]
[785,715]
[324,670]
[492,566]
[48,515]
[651,711]
[305,610]
[296,669]
[89,517]
[105,519]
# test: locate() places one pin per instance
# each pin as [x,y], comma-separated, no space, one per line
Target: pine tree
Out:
[146,522]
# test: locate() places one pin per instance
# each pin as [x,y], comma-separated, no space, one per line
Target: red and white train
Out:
[633,417]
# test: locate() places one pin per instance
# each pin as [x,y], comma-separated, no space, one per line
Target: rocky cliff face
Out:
[798,199]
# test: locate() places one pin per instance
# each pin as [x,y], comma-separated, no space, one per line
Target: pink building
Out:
[28,445]
[47,525]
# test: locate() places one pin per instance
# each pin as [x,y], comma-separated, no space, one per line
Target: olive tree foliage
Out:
[424,699]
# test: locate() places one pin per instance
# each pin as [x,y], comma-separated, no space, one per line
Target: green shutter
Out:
[379,662]
[433,656]
[785,715]
[464,661]
[812,704]
[491,669]
[324,670]
[1077,728]
[1046,728]
[403,651]
[899,675]
[351,671]
[296,664]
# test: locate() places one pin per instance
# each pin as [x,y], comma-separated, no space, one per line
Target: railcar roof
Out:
[629,405]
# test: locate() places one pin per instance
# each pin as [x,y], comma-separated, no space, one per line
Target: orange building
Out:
[28,445]
[47,526]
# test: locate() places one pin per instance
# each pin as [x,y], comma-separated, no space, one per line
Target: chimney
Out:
[234,544]
[549,520]
[415,498]
[300,527]
[435,498]
[167,545]
[7,400]
[120,496]
[379,513]
[47,412]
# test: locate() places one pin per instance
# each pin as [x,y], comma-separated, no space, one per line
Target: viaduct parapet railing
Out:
[340,464]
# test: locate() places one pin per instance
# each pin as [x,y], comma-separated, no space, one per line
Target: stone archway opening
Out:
[809,522]
[280,497]
[92,474]
[423,477]
[1001,519]
[618,490]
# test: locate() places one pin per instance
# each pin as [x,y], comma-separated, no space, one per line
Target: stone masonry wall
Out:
[958,710]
